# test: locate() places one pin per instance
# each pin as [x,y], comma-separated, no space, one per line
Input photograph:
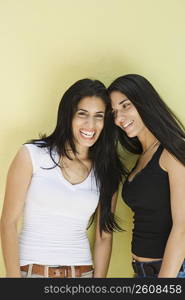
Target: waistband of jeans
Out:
[149,268]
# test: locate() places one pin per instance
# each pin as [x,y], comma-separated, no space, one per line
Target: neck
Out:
[146,139]
[82,152]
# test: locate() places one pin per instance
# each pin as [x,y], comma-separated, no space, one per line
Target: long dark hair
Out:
[156,116]
[107,166]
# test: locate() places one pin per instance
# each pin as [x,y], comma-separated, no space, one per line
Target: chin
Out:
[131,135]
[87,144]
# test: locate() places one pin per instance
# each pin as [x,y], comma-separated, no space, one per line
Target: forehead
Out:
[91,103]
[117,98]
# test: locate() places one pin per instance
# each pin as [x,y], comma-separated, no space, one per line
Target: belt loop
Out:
[46,271]
[142,268]
[72,271]
[30,266]
[135,267]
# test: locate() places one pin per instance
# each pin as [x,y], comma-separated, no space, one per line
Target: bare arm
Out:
[175,248]
[103,246]
[18,180]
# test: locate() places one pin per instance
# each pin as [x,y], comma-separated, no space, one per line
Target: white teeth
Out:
[127,124]
[87,133]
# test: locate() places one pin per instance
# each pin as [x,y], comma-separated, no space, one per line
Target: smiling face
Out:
[88,121]
[126,115]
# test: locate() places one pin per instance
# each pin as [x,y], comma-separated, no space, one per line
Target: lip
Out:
[128,127]
[86,137]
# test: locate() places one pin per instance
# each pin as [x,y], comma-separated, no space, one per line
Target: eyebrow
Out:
[122,101]
[97,112]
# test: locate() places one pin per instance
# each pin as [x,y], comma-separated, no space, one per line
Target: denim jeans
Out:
[181,274]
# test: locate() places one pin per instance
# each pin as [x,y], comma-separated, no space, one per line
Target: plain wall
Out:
[47,45]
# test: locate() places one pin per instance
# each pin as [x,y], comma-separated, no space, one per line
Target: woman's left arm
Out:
[103,246]
[175,248]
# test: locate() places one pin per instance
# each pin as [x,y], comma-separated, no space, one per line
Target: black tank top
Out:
[148,195]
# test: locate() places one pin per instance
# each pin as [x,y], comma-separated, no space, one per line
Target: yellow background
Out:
[46,45]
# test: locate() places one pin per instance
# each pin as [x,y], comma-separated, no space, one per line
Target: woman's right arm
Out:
[18,180]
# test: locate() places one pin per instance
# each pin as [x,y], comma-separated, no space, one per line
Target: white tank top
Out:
[56,215]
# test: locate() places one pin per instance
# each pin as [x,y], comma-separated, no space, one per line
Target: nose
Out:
[119,117]
[91,122]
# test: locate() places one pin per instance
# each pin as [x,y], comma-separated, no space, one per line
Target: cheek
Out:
[116,122]
[140,122]
[75,126]
[100,126]
[77,123]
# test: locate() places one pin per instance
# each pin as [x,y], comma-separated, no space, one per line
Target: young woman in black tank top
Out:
[155,187]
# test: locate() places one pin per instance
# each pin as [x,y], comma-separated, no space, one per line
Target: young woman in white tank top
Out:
[57,183]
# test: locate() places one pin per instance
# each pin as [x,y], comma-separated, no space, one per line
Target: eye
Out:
[126,105]
[99,116]
[81,113]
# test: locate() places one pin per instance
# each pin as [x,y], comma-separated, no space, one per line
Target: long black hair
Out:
[156,116]
[107,166]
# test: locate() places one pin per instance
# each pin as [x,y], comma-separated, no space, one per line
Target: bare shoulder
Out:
[18,180]
[169,162]
[21,161]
